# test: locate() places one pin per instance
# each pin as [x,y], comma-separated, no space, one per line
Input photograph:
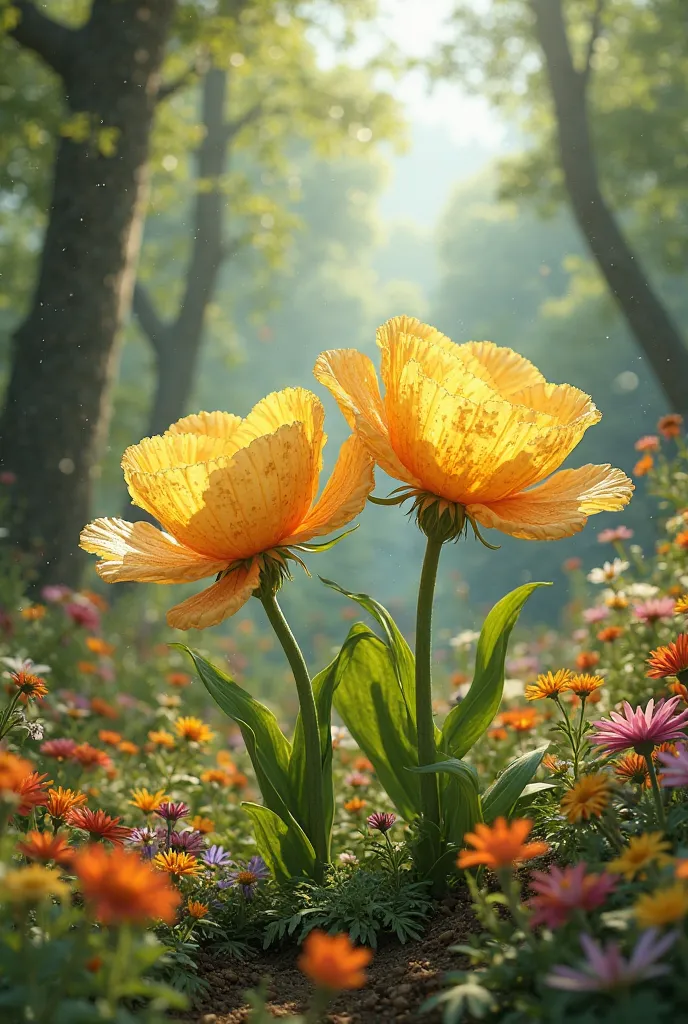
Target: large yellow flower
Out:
[476,425]
[230,493]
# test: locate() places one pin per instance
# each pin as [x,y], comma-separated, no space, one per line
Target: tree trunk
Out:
[648,319]
[64,353]
[177,343]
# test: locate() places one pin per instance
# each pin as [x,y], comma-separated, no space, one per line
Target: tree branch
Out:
[152,325]
[232,128]
[168,89]
[54,42]
[595,29]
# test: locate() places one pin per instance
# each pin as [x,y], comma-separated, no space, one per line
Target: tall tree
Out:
[553,51]
[64,352]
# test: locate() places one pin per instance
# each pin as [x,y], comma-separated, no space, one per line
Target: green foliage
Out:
[502,795]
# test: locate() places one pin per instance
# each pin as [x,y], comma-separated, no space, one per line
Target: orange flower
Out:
[96,599]
[355,805]
[193,730]
[146,801]
[102,708]
[610,633]
[201,824]
[617,601]
[554,765]
[549,685]
[97,645]
[680,689]
[31,687]
[500,845]
[586,660]
[643,466]
[225,760]
[88,668]
[91,757]
[197,910]
[681,868]
[681,607]
[670,426]
[177,863]
[671,660]
[681,539]
[632,768]
[218,775]
[127,747]
[178,679]
[362,764]
[451,420]
[45,846]
[587,798]
[498,734]
[162,738]
[109,737]
[33,613]
[459,679]
[571,564]
[98,824]
[521,719]
[13,770]
[333,962]
[232,496]
[61,801]
[122,887]
[584,685]
[30,792]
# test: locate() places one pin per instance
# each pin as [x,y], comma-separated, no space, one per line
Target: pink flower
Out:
[62,749]
[561,892]
[83,613]
[605,969]
[382,821]
[7,477]
[614,535]
[640,729]
[654,609]
[674,768]
[358,779]
[54,592]
[595,614]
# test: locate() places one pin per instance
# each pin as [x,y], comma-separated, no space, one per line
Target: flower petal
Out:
[509,372]
[344,495]
[560,507]
[212,424]
[218,602]
[139,552]
[234,508]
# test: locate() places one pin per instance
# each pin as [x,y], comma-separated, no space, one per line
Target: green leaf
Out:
[501,796]
[403,661]
[369,699]
[283,845]
[466,723]
[459,796]
[267,746]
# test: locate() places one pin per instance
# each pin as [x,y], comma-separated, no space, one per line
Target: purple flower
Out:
[605,969]
[173,811]
[216,857]
[596,614]
[146,840]
[640,728]
[382,821]
[188,840]
[246,877]
[655,608]
[674,768]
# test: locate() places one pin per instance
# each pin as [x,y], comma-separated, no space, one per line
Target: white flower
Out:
[464,639]
[513,688]
[25,665]
[341,737]
[643,590]
[609,571]
[675,523]
[348,858]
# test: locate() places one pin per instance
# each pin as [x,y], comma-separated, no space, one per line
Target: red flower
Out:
[46,846]
[99,825]
[61,749]
[91,757]
[31,793]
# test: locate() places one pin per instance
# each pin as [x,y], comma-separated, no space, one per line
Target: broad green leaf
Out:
[282,844]
[401,654]
[466,723]
[369,699]
[459,796]
[267,746]
[501,796]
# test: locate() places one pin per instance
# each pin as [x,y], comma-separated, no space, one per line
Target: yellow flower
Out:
[161,738]
[177,863]
[232,495]
[147,801]
[193,729]
[196,909]
[201,824]
[663,906]
[617,601]
[681,606]
[549,685]
[32,884]
[475,425]
[649,848]
[587,798]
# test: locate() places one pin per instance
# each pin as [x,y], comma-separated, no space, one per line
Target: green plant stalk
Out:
[311,731]
[425,723]
[656,792]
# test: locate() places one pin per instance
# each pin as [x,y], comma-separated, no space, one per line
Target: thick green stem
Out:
[425,724]
[311,731]
[656,791]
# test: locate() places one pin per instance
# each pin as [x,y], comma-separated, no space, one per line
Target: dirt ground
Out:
[400,977]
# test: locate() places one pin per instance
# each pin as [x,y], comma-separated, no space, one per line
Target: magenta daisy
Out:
[61,749]
[596,614]
[654,609]
[605,969]
[382,821]
[674,768]
[560,892]
[641,728]
[614,535]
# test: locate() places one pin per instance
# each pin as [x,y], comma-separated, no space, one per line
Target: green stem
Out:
[656,791]
[311,730]
[425,723]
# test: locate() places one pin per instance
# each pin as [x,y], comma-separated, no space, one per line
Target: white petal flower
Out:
[464,639]
[608,572]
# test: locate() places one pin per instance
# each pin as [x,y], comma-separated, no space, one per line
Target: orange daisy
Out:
[500,845]
[61,801]
[632,768]
[162,738]
[177,863]
[122,887]
[147,801]
[670,426]
[609,634]
[643,466]
[671,660]
[549,685]
[333,962]
[46,846]
[98,824]
[583,684]
[194,730]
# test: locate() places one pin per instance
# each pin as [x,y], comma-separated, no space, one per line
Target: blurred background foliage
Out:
[342,207]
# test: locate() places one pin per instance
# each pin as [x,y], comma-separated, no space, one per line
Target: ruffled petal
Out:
[218,602]
[350,377]
[234,508]
[138,552]
[344,495]
[560,507]
[509,372]
[212,424]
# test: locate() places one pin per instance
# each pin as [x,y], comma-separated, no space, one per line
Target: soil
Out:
[400,977]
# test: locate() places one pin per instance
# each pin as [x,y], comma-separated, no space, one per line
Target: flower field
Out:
[499,834]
